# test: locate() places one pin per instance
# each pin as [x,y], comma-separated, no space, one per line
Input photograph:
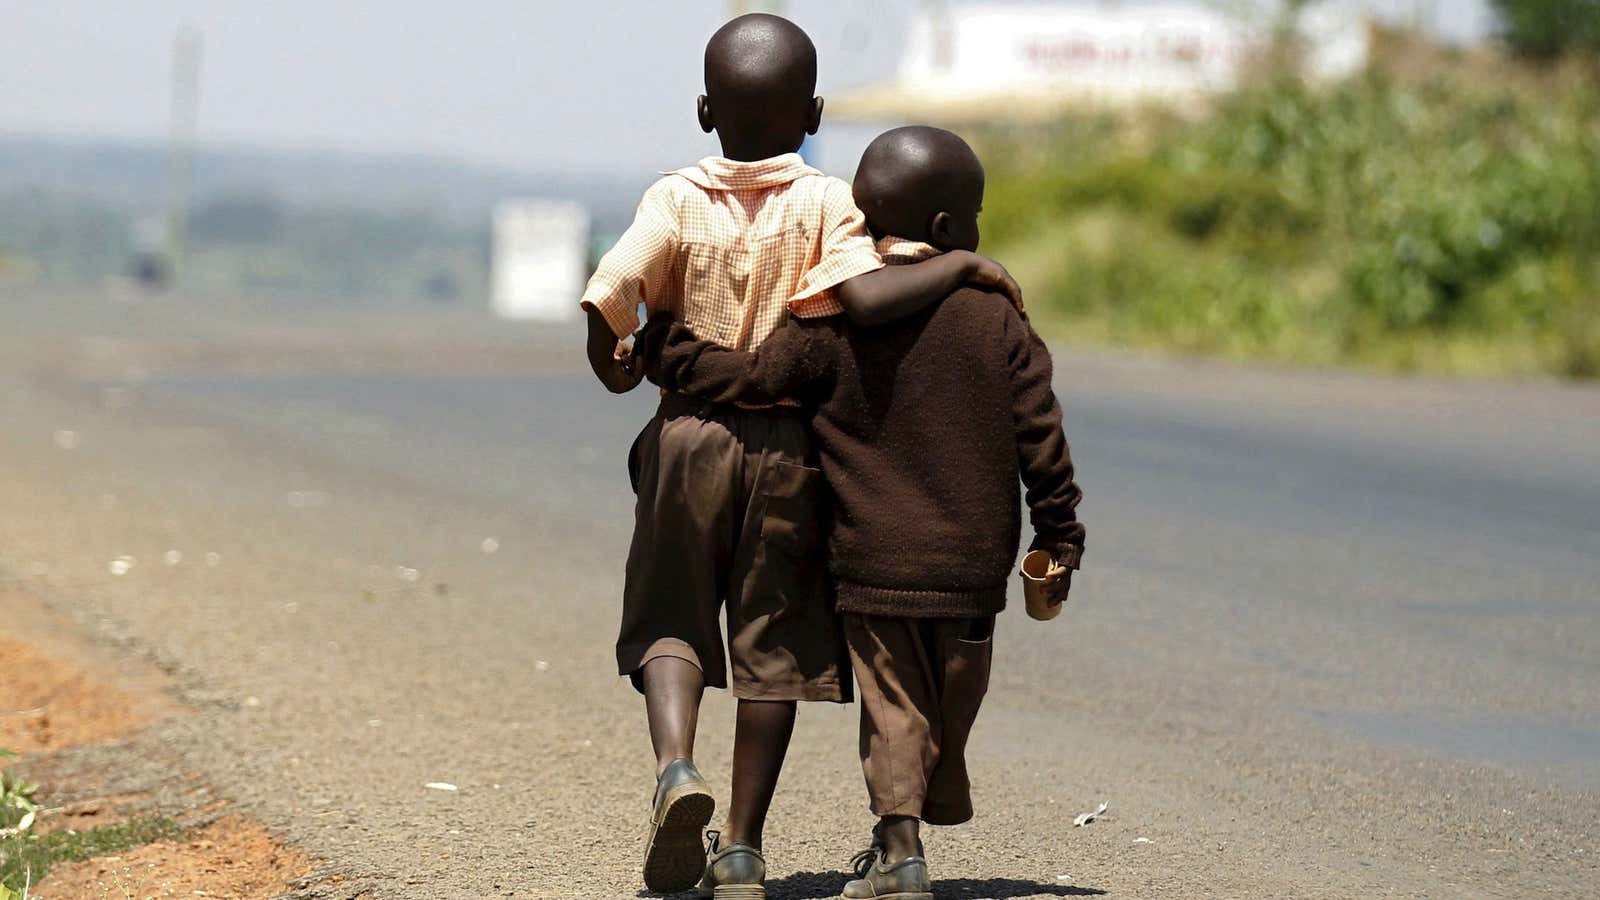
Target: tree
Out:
[1545,29]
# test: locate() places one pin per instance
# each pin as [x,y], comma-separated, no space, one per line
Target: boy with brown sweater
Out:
[923,427]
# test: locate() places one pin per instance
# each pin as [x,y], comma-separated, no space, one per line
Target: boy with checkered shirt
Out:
[729,496]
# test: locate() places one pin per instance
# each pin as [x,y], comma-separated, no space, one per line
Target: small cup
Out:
[1044,603]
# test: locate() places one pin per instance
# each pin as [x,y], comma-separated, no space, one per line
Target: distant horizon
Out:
[157,144]
[541,87]
[129,173]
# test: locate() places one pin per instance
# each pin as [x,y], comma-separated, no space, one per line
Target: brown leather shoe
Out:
[905,880]
[683,805]
[734,872]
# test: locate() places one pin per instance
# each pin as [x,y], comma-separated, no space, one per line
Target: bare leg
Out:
[760,742]
[672,689]
[902,838]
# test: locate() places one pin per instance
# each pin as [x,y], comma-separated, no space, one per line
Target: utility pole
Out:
[180,148]
[944,42]
[1424,15]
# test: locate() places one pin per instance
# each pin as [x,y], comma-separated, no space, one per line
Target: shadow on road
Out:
[1001,888]
[827,885]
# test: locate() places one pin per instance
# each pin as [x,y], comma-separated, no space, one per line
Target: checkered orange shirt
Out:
[729,247]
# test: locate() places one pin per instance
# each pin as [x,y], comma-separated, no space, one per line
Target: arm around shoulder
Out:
[783,367]
[895,292]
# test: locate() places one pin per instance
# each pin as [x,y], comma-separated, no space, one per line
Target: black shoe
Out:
[734,872]
[683,805]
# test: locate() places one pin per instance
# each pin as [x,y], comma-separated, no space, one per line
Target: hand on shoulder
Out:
[987,273]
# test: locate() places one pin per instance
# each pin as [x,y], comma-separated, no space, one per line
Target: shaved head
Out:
[923,184]
[761,74]
[763,55]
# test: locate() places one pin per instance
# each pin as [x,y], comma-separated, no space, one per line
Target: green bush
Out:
[1367,221]
[1548,28]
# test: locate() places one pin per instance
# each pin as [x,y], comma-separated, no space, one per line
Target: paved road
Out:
[1335,635]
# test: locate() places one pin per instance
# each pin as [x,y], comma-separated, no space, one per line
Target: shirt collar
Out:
[903,250]
[717,173]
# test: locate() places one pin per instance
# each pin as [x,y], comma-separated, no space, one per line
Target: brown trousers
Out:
[921,683]
[730,517]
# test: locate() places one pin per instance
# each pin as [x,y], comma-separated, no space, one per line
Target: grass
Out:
[26,857]
[33,855]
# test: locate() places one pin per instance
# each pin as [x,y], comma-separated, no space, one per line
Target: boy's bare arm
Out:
[894,292]
[636,271]
[610,359]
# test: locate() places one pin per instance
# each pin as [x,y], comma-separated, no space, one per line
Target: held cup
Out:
[1040,596]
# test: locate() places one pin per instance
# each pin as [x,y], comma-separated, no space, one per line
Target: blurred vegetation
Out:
[255,242]
[1545,29]
[1440,212]
[315,226]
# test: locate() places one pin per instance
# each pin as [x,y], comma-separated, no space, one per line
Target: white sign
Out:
[1013,61]
[1120,52]
[541,258]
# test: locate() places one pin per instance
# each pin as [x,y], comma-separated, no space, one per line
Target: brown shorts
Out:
[921,682]
[730,514]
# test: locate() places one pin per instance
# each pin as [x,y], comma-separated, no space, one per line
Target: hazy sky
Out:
[569,85]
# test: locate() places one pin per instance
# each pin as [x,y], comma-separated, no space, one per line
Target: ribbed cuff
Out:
[1064,554]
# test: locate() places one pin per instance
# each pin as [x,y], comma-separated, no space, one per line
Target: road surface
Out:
[1335,635]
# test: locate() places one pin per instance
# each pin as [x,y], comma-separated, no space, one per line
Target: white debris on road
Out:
[1088,817]
[306,499]
[66,440]
[440,786]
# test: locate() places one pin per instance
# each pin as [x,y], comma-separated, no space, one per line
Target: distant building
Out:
[541,259]
[1001,61]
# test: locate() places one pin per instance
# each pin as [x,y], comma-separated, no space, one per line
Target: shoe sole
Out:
[740,892]
[674,858]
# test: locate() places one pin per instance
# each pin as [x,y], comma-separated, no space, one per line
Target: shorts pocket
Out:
[979,630]
[966,675]
[791,517]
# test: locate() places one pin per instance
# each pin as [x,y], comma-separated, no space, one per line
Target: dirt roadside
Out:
[69,708]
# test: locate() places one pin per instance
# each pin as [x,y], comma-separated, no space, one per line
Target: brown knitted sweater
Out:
[923,427]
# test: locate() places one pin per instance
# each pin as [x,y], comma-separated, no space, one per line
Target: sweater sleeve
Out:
[1042,453]
[787,365]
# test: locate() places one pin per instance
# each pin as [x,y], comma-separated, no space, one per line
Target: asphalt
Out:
[1335,635]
